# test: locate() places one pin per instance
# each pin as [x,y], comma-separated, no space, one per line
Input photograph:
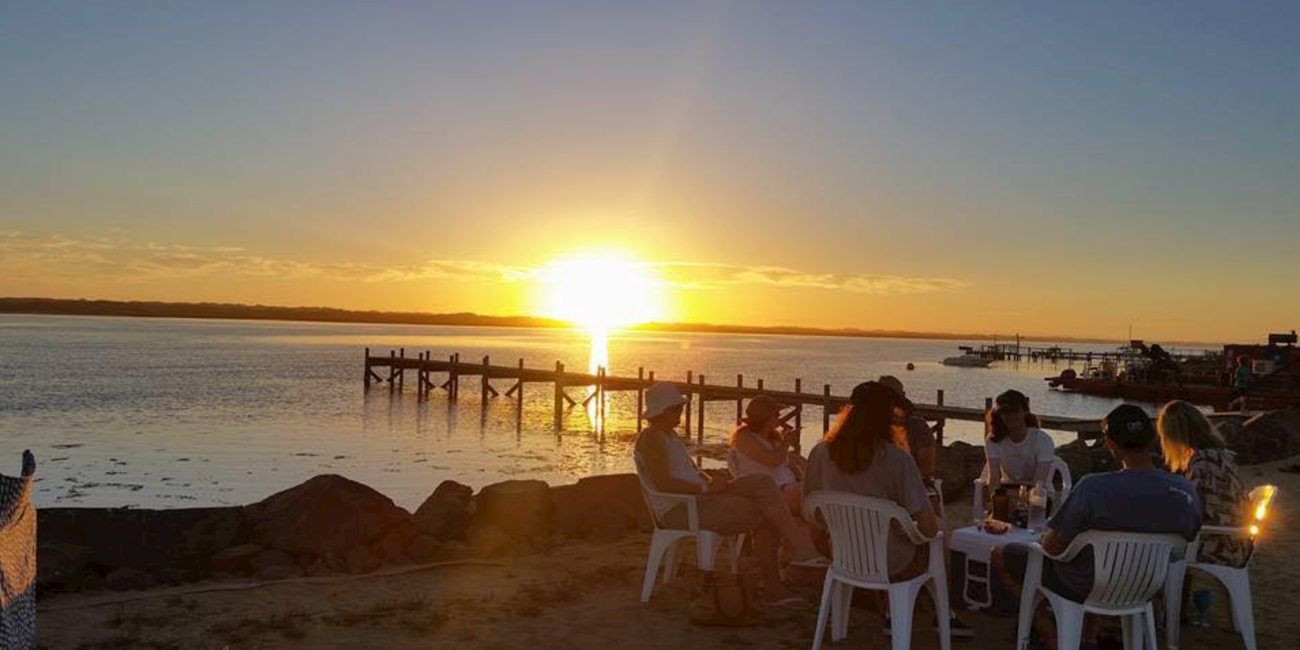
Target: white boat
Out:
[967,361]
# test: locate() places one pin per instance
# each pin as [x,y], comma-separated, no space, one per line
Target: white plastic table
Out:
[978,547]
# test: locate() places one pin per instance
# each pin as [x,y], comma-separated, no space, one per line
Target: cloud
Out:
[24,255]
[716,276]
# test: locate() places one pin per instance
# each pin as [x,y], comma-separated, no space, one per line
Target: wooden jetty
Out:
[452,372]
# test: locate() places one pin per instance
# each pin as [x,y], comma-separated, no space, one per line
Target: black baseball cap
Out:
[1129,426]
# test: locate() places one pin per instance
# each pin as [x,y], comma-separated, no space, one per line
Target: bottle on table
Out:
[1038,507]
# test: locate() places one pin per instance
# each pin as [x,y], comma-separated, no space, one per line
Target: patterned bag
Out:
[18,559]
[727,599]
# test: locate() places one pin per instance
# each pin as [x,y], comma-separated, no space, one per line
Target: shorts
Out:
[1067,584]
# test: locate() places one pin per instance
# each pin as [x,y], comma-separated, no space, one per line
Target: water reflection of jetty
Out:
[452,374]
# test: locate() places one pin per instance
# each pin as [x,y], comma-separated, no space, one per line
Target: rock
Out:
[143,539]
[277,572]
[125,579]
[171,577]
[491,541]
[423,548]
[588,507]
[958,464]
[361,560]
[392,546]
[326,565]
[446,513]
[519,508]
[326,514]
[235,558]
[1273,435]
[61,565]
[272,558]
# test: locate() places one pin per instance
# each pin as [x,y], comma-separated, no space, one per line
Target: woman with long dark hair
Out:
[864,453]
[1016,450]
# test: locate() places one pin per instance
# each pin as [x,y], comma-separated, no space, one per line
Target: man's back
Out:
[1132,501]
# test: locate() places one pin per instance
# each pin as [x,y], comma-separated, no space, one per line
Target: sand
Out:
[578,596]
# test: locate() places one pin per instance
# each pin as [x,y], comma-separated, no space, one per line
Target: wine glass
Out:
[1201,600]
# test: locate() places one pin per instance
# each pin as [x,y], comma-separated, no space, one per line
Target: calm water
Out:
[172,413]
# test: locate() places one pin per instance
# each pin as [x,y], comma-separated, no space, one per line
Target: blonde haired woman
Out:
[1195,450]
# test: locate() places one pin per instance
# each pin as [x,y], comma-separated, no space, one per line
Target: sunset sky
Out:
[1046,168]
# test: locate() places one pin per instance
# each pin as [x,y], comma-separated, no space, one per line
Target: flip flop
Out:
[789,601]
[819,562]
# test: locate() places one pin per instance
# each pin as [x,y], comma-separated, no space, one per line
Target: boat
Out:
[967,361]
[1142,373]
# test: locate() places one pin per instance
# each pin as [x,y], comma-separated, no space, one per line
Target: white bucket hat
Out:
[660,397]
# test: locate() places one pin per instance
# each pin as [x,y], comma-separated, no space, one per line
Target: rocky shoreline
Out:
[331,525]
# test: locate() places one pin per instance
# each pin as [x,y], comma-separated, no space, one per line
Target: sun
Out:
[601,292]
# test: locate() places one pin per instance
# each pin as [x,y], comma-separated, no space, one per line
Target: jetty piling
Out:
[696,388]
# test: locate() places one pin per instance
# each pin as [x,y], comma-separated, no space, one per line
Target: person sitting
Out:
[1016,450]
[1139,498]
[863,453]
[748,503]
[920,437]
[1193,449]
[758,446]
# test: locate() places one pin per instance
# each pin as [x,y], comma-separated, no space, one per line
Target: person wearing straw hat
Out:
[748,503]
[762,444]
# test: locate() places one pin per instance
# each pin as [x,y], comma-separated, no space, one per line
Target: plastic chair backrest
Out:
[859,529]
[1062,469]
[1129,567]
[647,491]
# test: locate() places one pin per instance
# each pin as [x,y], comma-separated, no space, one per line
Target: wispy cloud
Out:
[27,255]
[714,276]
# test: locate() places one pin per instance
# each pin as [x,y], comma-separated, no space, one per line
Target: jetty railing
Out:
[392,369]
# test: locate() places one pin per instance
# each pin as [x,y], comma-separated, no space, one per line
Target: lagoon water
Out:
[176,413]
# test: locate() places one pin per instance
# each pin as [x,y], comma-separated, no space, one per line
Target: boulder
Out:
[272,558]
[326,514]
[958,464]
[235,558]
[126,578]
[1269,436]
[492,541]
[325,565]
[171,576]
[61,565]
[277,572]
[519,508]
[392,547]
[144,539]
[361,560]
[423,548]
[589,505]
[446,513]
[1084,459]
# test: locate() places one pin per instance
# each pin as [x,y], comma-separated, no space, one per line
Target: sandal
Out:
[819,562]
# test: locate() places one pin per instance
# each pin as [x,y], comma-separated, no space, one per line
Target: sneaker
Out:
[958,629]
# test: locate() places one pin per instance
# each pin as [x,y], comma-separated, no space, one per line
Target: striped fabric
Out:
[18,559]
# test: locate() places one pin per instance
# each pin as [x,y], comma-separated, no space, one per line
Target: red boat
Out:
[1150,374]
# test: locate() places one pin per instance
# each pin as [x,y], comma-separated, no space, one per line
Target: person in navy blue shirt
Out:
[1140,498]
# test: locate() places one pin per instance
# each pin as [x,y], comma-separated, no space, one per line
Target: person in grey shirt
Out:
[1140,498]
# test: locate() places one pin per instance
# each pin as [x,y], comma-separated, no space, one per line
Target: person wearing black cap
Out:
[1140,498]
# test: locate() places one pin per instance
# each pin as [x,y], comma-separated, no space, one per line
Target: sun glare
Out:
[601,292]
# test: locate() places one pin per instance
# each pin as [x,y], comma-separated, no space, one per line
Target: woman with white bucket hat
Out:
[727,507]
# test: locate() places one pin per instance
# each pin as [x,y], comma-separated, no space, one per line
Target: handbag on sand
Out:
[727,599]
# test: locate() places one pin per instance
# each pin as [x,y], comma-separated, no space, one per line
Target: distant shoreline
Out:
[230,311]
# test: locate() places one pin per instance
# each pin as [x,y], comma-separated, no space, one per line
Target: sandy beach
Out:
[577,595]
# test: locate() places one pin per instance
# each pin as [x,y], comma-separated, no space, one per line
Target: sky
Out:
[1074,169]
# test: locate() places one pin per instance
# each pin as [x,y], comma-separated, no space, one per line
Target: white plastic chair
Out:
[1235,579]
[666,544]
[1060,469]
[859,528]
[1129,568]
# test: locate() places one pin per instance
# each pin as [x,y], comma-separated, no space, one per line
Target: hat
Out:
[873,394]
[761,408]
[892,383]
[1129,426]
[660,397]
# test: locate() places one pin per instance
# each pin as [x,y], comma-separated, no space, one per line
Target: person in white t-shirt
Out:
[1017,451]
